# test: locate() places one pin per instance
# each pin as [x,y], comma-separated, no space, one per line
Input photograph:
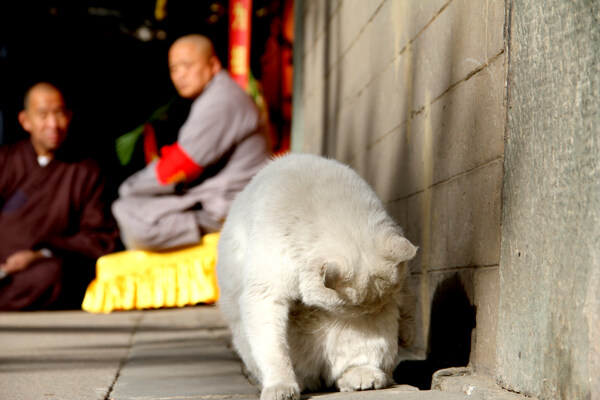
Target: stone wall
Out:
[412,95]
[478,124]
[549,317]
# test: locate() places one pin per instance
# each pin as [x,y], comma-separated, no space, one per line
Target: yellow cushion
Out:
[136,279]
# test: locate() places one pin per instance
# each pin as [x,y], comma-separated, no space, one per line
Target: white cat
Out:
[312,279]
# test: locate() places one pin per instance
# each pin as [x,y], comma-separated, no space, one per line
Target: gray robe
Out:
[225,136]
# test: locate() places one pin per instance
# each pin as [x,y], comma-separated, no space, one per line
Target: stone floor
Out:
[141,355]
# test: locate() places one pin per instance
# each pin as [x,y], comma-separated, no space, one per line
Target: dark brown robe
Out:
[59,207]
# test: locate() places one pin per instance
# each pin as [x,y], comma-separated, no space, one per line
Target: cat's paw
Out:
[362,378]
[281,391]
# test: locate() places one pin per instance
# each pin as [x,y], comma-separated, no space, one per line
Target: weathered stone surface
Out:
[174,355]
[474,385]
[485,298]
[459,41]
[456,223]
[398,392]
[549,317]
[67,355]
[461,131]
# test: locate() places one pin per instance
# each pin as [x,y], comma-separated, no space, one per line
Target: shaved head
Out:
[45,117]
[202,44]
[192,64]
[39,87]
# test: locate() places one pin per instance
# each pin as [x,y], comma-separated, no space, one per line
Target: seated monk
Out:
[187,191]
[54,222]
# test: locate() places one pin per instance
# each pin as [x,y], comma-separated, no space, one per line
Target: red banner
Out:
[240,21]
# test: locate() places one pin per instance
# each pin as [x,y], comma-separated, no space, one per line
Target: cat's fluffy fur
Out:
[313,281]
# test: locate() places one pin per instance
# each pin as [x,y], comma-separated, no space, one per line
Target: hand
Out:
[20,260]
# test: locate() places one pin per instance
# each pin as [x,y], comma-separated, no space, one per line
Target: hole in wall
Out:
[449,343]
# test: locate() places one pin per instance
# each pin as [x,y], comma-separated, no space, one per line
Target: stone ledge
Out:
[477,386]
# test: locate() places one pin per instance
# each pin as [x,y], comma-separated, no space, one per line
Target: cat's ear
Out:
[401,248]
[330,273]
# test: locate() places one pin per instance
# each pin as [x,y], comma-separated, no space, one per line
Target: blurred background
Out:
[110,59]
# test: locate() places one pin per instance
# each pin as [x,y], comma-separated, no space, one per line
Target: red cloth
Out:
[175,165]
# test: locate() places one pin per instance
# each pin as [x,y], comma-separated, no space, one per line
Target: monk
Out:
[187,192]
[54,222]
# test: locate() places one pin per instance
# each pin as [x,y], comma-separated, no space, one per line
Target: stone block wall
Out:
[478,124]
[411,94]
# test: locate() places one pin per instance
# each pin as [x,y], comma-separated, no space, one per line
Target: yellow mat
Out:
[136,280]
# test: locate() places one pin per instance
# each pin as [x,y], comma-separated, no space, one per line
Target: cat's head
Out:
[362,281]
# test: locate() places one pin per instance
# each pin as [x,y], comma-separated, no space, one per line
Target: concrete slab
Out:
[62,355]
[172,354]
[400,392]
[183,353]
